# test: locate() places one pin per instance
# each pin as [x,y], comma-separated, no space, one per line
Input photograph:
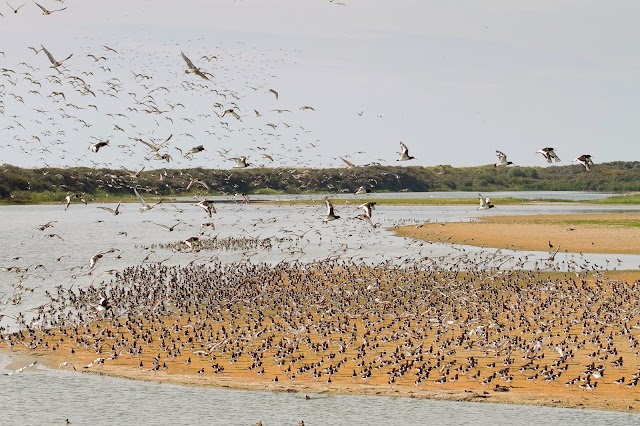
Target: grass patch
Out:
[619,199]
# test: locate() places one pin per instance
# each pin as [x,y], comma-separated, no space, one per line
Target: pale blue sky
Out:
[454,80]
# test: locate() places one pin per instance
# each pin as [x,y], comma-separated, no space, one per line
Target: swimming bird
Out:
[485,203]
[330,214]
[549,154]
[585,160]
[96,146]
[404,154]
[145,205]
[45,11]
[192,68]
[54,63]
[502,159]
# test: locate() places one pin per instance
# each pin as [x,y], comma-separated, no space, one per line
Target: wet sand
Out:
[501,336]
[581,233]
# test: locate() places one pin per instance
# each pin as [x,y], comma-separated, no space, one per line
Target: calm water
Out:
[41,396]
[46,397]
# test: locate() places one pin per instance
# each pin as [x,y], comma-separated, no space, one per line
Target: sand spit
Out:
[586,233]
[568,340]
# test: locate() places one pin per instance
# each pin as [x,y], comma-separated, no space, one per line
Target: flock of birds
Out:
[448,323]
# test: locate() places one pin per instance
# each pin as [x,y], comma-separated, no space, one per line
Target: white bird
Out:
[66,363]
[362,190]
[330,214]
[485,203]
[502,159]
[586,161]
[368,208]
[404,154]
[95,361]
[549,154]
[241,162]
[198,182]
[192,68]
[208,206]
[145,205]
[54,63]
[70,197]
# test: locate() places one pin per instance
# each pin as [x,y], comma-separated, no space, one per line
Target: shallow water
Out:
[41,396]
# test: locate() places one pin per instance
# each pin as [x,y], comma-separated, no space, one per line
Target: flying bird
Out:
[549,154]
[70,197]
[208,206]
[114,212]
[54,63]
[241,162]
[330,214]
[14,10]
[404,154]
[368,208]
[502,159]
[485,203]
[192,68]
[145,206]
[274,92]
[586,161]
[96,146]
[45,11]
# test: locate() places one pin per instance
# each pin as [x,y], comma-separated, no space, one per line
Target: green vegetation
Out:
[18,185]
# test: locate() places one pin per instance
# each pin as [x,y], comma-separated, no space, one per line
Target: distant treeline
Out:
[20,185]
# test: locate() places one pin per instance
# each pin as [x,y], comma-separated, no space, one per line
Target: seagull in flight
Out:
[274,92]
[114,212]
[241,162]
[192,68]
[485,203]
[154,147]
[14,10]
[168,228]
[368,208]
[45,11]
[96,146]
[404,154]
[330,214]
[54,63]
[502,159]
[145,206]
[208,206]
[586,161]
[70,197]
[549,154]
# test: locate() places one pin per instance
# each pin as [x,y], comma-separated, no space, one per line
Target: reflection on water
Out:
[60,256]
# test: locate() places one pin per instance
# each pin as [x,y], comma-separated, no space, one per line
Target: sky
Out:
[455,81]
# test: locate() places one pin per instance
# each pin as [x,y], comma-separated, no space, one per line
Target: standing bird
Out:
[485,203]
[330,214]
[54,63]
[404,154]
[585,160]
[96,146]
[549,154]
[502,159]
[192,68]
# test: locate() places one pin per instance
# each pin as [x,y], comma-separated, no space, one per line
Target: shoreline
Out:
[607,233]
[576,399]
